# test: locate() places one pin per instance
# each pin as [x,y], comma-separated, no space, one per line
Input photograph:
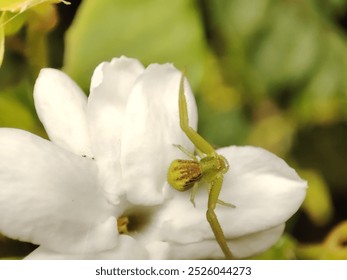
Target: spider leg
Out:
[212,218]
[221,202]
[200,154]
[193,193]
[184,150]
[199,142]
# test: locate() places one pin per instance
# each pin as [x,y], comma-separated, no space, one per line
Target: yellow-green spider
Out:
[208,167]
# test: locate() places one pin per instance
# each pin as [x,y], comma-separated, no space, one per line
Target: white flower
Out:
[108,157]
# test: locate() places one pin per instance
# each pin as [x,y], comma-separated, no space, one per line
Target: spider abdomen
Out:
[183,174]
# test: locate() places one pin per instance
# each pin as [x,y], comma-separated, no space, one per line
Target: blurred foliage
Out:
[19,6]
[147,30]
[14,114]
[13,16]
[332,248]
[270,73]
[318,194]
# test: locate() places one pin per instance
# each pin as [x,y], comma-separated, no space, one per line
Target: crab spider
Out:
[208,167]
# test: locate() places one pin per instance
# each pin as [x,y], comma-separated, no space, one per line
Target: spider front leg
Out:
[221,202]
[199,142]
[185,151]
[193,193]
[212,218]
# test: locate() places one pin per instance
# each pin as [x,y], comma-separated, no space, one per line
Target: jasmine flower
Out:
[98,188]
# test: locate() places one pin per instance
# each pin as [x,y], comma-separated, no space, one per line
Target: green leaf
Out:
[151,31]
[13,22]
[23,5]
[15,8]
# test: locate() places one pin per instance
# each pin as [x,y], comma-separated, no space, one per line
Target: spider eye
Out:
[183,174]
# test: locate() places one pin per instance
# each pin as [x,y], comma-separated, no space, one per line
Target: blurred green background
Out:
[269,73]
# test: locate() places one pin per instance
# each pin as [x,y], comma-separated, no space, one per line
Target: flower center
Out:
[135,220]
[122,224]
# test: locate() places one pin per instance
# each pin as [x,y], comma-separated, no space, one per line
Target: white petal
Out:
[110,89]
[255,243]
[49,196]
[127,249]
[61,107]
[242,247]
[151,127]
[159,250]
[264,189]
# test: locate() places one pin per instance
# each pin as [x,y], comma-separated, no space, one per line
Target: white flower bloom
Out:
[108,157]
